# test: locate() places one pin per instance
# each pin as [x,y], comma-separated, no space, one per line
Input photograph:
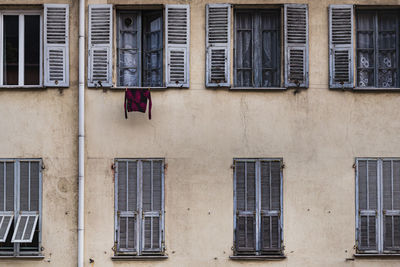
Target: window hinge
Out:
[354,165]
[233,166]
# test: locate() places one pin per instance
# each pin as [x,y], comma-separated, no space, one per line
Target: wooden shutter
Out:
[391,204]
[56,45]
[367,203]
[100,46]
[7,199]
[296,45]
[270,172]
[177,32]
[245,203]
[341,46]
[218,36]
[126,206]
[152,206]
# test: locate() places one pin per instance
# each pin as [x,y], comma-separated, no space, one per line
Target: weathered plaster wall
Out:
[42,123]
[318,133]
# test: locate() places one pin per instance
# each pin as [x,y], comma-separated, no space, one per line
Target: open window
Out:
[270,46]
[152,46]
[34,45]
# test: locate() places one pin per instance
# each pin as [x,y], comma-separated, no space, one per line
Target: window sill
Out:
[31,257]
[374,89]
[139,258]
[139,87]
[258,88]
[259,258]
[381,256]
[22,87]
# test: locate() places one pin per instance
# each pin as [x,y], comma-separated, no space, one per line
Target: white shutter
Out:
[56,45]
[100,46]
[341,46]
[218,29]
[177,29]
[296,45]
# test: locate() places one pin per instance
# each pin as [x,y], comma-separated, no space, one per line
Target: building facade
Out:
[272,139]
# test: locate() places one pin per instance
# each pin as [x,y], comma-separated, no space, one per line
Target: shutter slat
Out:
[218,19]
[100,46]
[177,28]
[341,46]
[296,45]
[56,45]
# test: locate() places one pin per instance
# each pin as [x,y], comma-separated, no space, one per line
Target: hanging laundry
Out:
[136,100]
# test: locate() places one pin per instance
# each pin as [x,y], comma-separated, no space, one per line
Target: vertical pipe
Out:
[81,134]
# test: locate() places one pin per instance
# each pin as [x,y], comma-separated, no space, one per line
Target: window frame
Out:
[379,211]
[375,10]
[16,249]
[139,227]
[21,47]
[280,44]
[258,248]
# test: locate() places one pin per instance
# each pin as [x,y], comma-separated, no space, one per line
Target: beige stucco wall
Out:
[317,132]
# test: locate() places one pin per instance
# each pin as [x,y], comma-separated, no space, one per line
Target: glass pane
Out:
[10,54]
[244,50]
[32,50]
[152,49]
[270,48]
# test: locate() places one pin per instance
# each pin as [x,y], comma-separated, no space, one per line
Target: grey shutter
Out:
[391,204]
[126,206]
[245,203]
[218,37]
[152,206]
[177,29]
[56,45]
[367,203]
[341,73]
[100,46]
[296,45]
[270,205]
[7,186]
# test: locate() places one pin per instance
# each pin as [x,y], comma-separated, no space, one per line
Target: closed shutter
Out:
[391,204]
[270,205]
[341,74]
[56,45]
[177,29]
[126,206]
[296,45]
[100,46]
[245,197]
[152,206]
[6,198]
[218,30]
[367,200]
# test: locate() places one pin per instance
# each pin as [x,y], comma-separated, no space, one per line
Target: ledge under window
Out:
[140,87]
[139,258]
[27,257]
[258,88]
[382,256]
[258,258]
[375,89]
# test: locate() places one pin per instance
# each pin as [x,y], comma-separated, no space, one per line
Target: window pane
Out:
[365,49]
[270,48]
[152,49]
[244,49]
[128,46]
[10,54]
[32,50]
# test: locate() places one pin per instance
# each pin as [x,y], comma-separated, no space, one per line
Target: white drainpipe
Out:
[81,136]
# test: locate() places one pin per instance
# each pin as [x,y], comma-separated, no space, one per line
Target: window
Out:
[376,47]
[21,60]
[152,46]
[20,207]
[257,46]
[139,207]
[378,205]
[258,206]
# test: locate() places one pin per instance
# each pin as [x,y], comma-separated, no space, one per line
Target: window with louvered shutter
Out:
[177,29]
[139,206]
[218,28]
[341,46]
[257,202]
[20,207]
[378,205]
[296,45]
[100,46]
[56,45]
